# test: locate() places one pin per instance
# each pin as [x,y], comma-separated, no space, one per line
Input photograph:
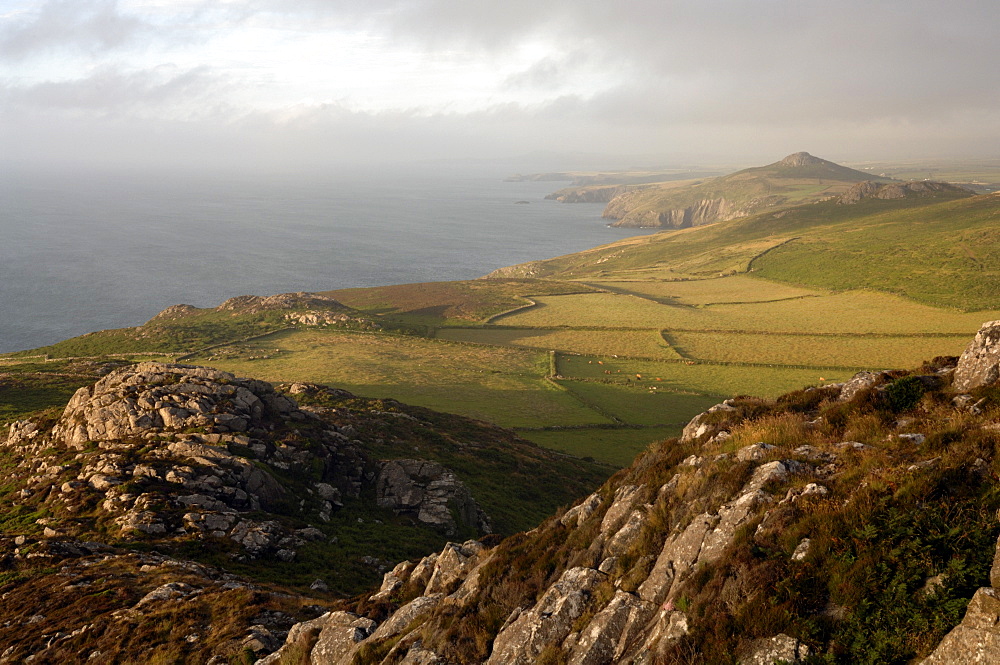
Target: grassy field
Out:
[617,446]
[733,289]
[639,343]
[701,378]
[852,312]
[866,352]
[504,385]
[624,341]
[443,303]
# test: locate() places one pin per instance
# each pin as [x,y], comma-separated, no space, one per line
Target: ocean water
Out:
[90,251]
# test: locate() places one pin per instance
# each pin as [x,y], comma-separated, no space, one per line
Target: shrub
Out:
[904,394]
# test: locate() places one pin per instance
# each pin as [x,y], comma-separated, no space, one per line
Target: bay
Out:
[90,251]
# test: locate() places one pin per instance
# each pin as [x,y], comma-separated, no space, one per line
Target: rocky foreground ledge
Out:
[157,458]
[702,533]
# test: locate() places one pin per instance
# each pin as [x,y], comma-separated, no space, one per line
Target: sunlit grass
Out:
[641,343]
[846,351]
[735,288]
[504,385]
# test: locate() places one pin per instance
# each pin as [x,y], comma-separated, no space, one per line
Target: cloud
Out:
[254,79]
[163,91]
[85,25]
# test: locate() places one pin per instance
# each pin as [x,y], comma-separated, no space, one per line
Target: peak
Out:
[800,159]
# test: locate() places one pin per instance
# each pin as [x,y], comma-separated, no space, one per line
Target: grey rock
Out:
[801,550]
[418,655]
[627,534]
[165,592]
[754,452]
[133,400]
[679,555]
[698,427]
[452,564]
[339,636]
[430,493]
[858,382]
[625,499]
[979,364]
[579,513]
[778,649]
[977,638]
[548,622]
[606,637]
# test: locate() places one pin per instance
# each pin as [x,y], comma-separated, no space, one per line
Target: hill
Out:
[172,480]
[847,524]
[934,244]
[850,523]
[796,179]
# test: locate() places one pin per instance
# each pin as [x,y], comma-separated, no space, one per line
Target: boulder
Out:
[698,426]
[340,634]
[778,649]
[979,364]
[579,513]
[430,493]
[977,638]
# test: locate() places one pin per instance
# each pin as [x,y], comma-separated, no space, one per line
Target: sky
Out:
[279,84]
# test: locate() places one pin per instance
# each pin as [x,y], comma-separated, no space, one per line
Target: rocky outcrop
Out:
[624,209]
[302,308]
[778,649]
[429,493]
[701,424]
[797,159]
[149,398]
[174,450]
[977,638]
[901,190]
[528,632]
[979,364]
[581,613]
[590,194]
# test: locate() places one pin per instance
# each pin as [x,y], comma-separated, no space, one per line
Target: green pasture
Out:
[606,310]
[732,289]
[705,378]
[946,255]
[640,343]
[640,403]
[437,303]
[850,312]
[840,351]
[504,385]
[614,445]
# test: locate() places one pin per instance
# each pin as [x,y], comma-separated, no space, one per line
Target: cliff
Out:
[798,178]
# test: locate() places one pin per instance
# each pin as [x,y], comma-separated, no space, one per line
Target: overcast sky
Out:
[281,83]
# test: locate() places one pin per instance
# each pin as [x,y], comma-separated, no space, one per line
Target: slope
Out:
[938,247]
[847,524]
[798,178]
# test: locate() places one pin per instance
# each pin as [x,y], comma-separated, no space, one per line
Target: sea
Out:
[85,250]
